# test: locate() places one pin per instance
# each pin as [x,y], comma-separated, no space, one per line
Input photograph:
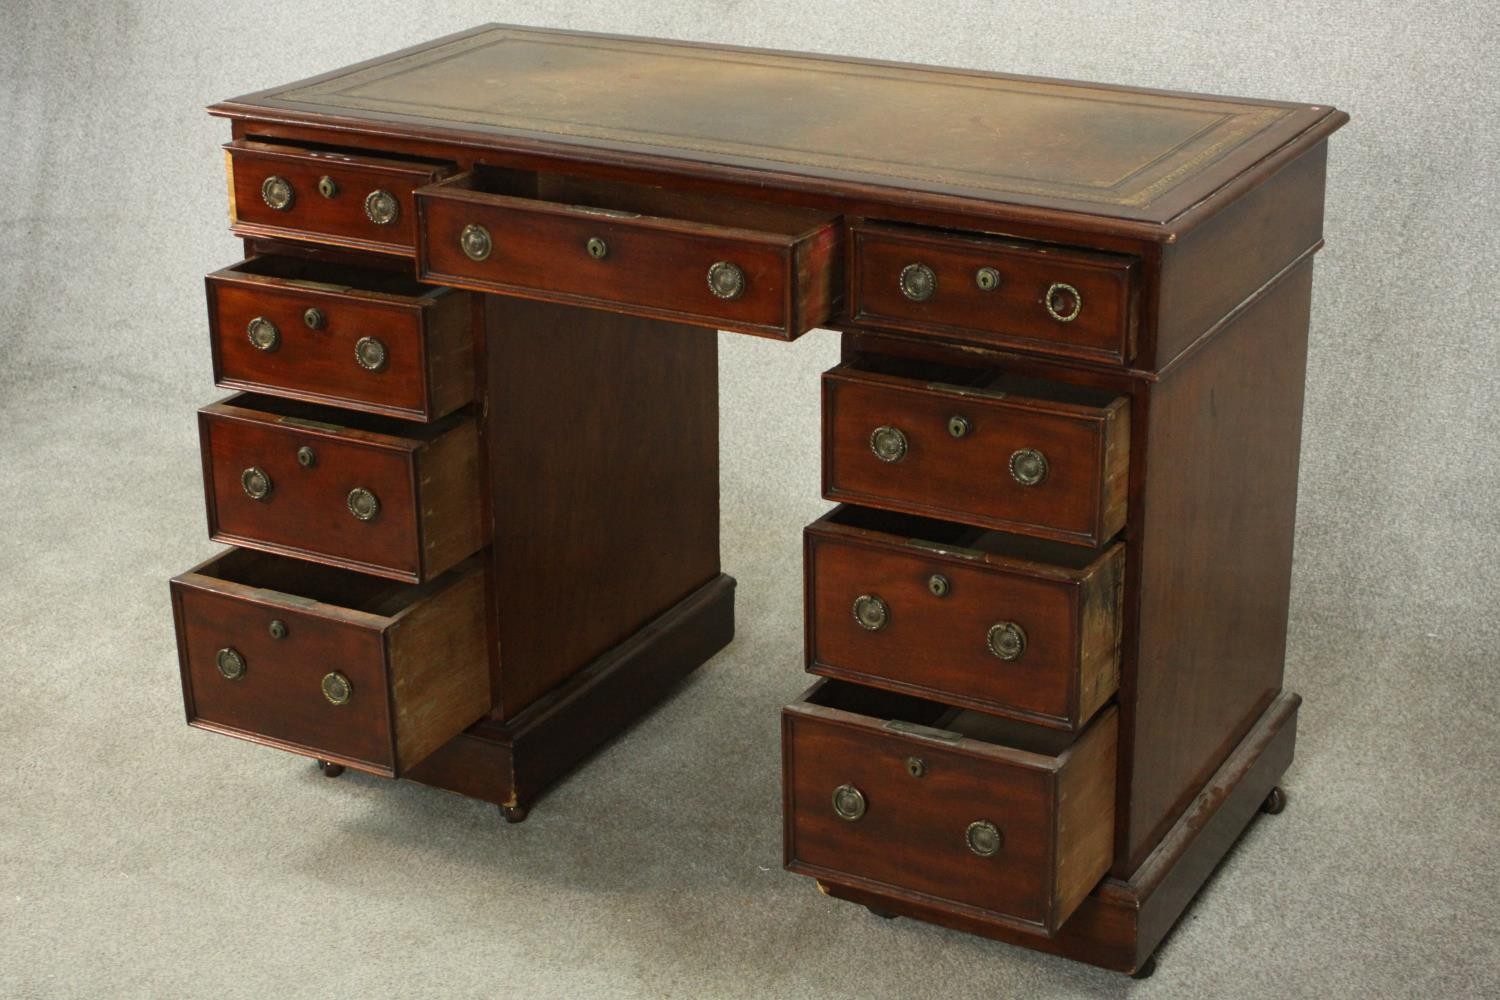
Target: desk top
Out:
[1142,156]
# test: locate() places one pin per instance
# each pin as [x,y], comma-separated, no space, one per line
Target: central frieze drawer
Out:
[364,493]
[1003,452]
[359,671]
[1015,626]
[939,805]
[755,268]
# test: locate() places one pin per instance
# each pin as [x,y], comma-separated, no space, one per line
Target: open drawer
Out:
[348,336]
[735,265]
[352,490]
[1015,626]
[354,670]
[933,804]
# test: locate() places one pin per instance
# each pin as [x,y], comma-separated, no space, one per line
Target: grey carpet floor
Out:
[140,858]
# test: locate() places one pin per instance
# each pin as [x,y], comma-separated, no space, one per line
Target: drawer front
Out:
[403,355]
[279,698]
[948,820]
[768,283]
[403,508]
[368,688]
[1049,300]
[1026,640]
[1028,465]
[279,191]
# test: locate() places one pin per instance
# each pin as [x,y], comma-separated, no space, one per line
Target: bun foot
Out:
[330,769]
[882,914]
[1145,971]
[1275,801]
[514,814]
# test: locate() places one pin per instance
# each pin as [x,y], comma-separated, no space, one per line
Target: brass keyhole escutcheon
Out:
[1006,640]
[474,241]
[1063,302]
[916,766]
[918,282]
[363,504]
[1028,466]
[328,187]
[848,803]
[230,663]
[306,457]
[984,838]
[938,585]
[256,483]
[597,248]
[888,443]
[726,280]
[277,628]
[959,427]
[871,612]
[381,207]
[337,689]
[277,193]
[987,278]
[313,318]
[264,335]
[370,353]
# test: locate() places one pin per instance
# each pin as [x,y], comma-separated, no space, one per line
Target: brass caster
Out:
[1275,801]
[1145,971]
[882,914]
[514,814]
[330,769]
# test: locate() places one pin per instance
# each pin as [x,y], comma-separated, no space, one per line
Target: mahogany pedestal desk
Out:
[470,469]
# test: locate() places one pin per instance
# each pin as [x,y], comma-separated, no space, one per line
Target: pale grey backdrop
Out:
[141,858]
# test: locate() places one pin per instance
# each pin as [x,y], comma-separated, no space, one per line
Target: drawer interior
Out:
[326,275]
[941,720]
[626,201]
[981,379]
[326,418]
[305,581]
[948,535]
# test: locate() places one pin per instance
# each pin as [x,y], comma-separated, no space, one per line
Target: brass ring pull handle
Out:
[918,282]
[984,838]
[597,248]
[888,443]
[337,689]
[1063,302]
[264,335]
[256,483]
[726,280]
[848,803]
[474,241]
[363,504]
[230,663]
[370,353]
[277,193]
[871,612]
[1028,466]
[381,207]
[1006,640]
